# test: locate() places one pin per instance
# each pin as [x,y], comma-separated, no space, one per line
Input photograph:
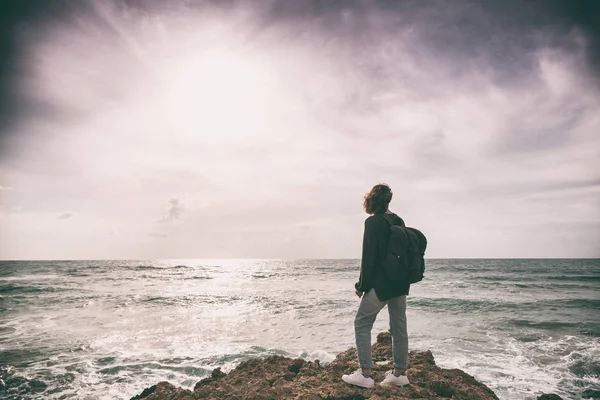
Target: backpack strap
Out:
[388,217]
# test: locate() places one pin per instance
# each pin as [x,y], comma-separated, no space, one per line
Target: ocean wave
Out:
[592,304]
[552,285]
[529,337]
[546,325]
[264,275]
[232,359]
[199,277]
[77,272]
[6,333]
[19,357]
[496,278]
[581,278]
[144,267]
[586,367]
[155,267]
[343,268]
[590,329]
[12,288]
[457,304]
[186,370]
[453,304]
[15,387]
[517,278]
[323,356]
[186,299]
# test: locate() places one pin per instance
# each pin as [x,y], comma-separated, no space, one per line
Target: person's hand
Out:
[359,294]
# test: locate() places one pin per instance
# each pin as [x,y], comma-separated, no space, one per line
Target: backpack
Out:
[404,260]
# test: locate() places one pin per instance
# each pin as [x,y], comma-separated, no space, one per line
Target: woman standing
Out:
[376,291]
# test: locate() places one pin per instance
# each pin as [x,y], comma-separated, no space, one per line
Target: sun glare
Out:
[218,95]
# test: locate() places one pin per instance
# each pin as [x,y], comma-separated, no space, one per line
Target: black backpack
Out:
[404,260]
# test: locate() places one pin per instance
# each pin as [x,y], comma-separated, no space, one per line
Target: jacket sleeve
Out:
[369,257]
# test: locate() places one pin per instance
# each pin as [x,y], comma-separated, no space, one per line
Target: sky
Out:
[224,129]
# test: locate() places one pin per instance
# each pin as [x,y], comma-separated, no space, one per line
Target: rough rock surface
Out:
[591,394]
[279,377]
[549,396]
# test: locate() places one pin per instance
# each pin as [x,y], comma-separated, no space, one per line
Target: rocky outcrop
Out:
[279,377]
[549,396]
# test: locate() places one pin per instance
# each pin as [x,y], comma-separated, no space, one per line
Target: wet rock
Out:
[549,396]
[442,389]
[591,394]
[217,374]
[278,377]
[296,365]
[164,391]
[214,376]
[145,393]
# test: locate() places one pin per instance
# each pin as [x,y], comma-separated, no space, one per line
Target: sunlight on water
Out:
[97,327]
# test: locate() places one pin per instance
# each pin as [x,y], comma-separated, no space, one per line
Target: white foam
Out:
[514,370]
[321,355]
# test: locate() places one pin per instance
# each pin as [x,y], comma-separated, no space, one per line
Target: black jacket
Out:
[375,242]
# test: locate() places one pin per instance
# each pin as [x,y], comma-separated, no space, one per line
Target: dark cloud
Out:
[464,35]
[507,32]
[174,211]
[585,16]
[18,18]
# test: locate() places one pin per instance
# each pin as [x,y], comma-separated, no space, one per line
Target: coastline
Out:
[279,377]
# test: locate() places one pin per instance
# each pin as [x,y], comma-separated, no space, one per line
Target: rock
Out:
[164,391]
[591,394]
[296,365]
[549,396]
[145,393]
[214,376]
[217,374]
[278,377]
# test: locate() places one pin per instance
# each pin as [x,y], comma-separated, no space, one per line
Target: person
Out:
[375,292]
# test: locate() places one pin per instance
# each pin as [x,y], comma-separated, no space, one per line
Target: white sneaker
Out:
[393,380]
[358,379]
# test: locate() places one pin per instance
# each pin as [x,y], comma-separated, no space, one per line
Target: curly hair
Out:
[378,199]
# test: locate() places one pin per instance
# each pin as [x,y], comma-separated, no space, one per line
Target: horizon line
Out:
[293,259]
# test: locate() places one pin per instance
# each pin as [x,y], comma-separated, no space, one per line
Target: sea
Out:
[109,329]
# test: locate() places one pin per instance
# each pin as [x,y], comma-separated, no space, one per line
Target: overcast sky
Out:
[254,129]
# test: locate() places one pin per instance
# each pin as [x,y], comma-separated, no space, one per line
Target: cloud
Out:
[159,234]
[174,211]
[66,215]
[277,118]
